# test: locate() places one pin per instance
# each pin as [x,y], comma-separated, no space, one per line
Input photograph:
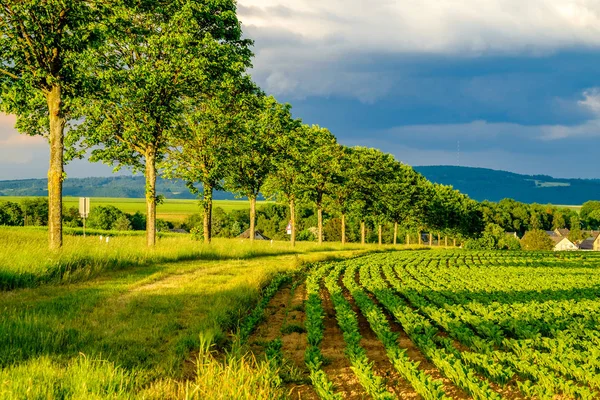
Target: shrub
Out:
[103,217]
[536,240]
[11,214]
[122,224]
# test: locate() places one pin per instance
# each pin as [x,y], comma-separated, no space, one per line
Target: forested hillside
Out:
[116,186]
[488,184]
[479,183]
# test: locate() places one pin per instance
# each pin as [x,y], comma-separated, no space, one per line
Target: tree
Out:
[589,208]
[405,196]
[104,217]
[536,240]
[201,151]
[321,169]
[339,192]
[576,235]
[11,214]
[286,180]
[160,55]
[35,211]
[253,149]
[41,46]
[366,178]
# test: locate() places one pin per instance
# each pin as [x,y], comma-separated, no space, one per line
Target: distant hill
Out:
[478,183]
[115,186]
[488,184]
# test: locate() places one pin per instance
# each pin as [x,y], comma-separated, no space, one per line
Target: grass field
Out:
[171,210]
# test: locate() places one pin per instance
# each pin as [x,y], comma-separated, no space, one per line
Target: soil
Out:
[337,367]
[285,308]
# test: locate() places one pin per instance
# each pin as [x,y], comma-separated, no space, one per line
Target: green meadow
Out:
[174,210]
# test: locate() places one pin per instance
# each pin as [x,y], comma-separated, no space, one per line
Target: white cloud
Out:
[308,41]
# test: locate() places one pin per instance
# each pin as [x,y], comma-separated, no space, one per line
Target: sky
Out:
[502,84]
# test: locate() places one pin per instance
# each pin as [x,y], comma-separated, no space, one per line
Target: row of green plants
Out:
[526,320]
[540,336]
[491,355]
[424,335]
[315,329]
[423,384]
[348,323]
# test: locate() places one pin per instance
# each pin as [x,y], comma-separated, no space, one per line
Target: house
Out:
[513,234]
[564,244]
[553,234]
[592,243]
[258,235]
[562,232]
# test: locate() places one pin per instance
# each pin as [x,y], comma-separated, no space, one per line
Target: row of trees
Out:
[161,86]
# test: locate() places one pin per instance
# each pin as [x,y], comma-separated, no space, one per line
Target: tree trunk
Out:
[252,217]
[362,232]
[343,228]
[430,239]
[320,222]
[151,197]
[408,239]
[454,242]
[445,241]
[420,238]
[293,221]
[439,240]
[207,204]
[55,170]
[380,235]
[395,233]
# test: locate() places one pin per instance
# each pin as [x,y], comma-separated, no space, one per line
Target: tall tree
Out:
[321,169]
[251,162]
[41,43]
[160,55]
[286,180]
[339,191]
[203,144]
[370,170]
[405,196]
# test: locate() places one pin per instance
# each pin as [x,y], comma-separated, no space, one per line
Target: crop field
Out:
[439,325]
[234,320]
[175,210]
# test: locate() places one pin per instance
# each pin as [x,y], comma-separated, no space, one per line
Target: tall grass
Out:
[238,375]
[79,378]
[26,262]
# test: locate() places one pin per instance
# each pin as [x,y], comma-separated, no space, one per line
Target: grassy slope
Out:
[144,319]
[170,210]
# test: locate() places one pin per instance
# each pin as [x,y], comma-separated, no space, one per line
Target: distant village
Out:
[561,240]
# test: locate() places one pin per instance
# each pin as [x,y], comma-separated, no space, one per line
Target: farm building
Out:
[564,244]
[562,232]
[258,235]
[592,243]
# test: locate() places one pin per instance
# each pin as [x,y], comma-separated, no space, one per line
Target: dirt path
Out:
[284,319]
[337,366]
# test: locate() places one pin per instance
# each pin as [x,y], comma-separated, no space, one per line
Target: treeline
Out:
[163,87]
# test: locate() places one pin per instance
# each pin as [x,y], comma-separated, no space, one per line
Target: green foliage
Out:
[576,235]
[590,215]
[11,214]
[35,211]
[104,217]
[536,240]
[493,238]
